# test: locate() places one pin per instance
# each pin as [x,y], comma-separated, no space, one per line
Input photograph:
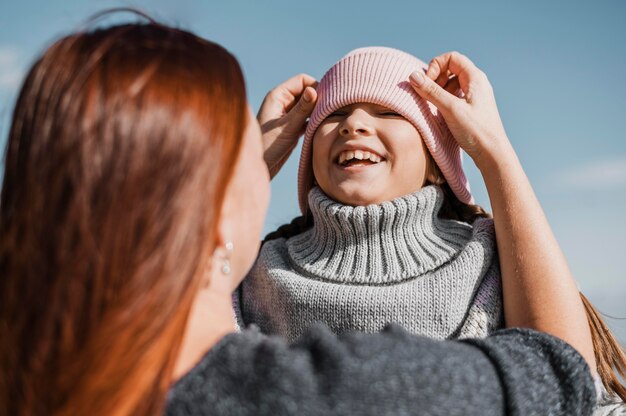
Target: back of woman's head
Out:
[121,146]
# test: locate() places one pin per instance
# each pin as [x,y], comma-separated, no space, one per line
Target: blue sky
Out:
[558,69]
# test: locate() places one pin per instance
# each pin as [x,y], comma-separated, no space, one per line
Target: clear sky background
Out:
[558,69]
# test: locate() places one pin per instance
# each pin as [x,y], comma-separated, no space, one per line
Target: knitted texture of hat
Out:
[380,75]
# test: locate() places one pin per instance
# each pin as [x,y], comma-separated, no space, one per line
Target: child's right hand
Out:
[473,120]
[283,116]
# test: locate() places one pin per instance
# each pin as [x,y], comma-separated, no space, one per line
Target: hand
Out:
[537,285]
[283,116]
[473,119]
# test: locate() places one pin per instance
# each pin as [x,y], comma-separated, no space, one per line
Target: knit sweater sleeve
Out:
[513,372]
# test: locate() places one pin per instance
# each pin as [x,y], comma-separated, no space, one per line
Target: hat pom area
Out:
[379,75]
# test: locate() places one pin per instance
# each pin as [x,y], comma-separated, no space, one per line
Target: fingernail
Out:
[417,78]
[307,95]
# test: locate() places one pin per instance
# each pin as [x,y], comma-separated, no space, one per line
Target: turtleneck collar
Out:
[381,244]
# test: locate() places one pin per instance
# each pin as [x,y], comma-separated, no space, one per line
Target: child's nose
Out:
[355,124]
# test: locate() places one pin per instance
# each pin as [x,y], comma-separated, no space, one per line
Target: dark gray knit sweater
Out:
[512,372]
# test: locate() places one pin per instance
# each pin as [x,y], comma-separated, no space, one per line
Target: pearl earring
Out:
[226,269]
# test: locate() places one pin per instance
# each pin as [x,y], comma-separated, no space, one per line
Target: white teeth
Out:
[347,155]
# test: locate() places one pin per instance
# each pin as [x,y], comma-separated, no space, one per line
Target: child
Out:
[389,232]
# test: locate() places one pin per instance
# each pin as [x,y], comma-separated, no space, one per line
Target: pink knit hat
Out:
[380,76]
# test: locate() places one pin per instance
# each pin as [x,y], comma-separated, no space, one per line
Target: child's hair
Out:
[610,354]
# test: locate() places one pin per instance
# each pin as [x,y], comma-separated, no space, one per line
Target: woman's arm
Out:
[539,290]
[516,372]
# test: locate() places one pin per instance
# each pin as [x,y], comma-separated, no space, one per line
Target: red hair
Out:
[122,144]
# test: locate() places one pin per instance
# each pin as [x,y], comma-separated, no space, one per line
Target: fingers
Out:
[297,84]
[430,91]
[443,77]
[452,85]
[296,117]
[281,99]
[453,63]
[287,93]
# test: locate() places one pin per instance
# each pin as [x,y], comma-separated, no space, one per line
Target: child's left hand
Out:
[282,117]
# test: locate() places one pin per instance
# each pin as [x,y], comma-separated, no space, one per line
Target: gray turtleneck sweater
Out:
[360,268]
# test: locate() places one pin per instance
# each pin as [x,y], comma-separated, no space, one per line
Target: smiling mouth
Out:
[349,158]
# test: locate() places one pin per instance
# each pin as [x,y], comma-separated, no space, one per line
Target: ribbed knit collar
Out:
[377,244]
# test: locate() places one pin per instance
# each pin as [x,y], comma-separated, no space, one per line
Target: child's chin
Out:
[356,197]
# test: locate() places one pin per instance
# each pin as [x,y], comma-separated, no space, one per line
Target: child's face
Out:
[367,154]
